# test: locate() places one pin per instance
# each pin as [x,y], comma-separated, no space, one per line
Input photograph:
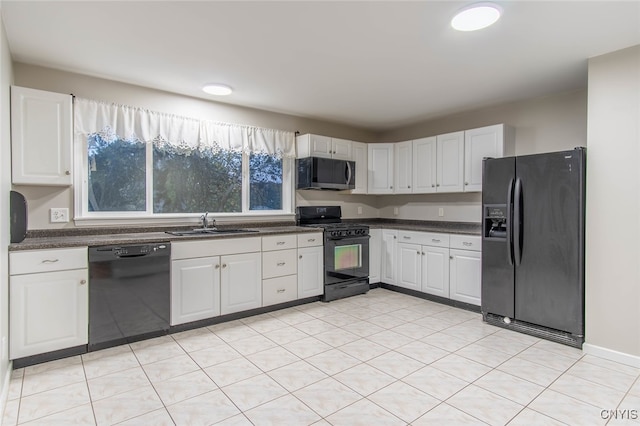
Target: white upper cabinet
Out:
[450,162]
[359,155]
[309,145]
[403,165]
[424,165]
[41,137]
[480,143]
[380,160]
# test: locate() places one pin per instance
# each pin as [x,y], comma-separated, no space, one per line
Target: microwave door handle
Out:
[348,172]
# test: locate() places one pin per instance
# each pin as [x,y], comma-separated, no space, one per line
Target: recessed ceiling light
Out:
[217,89]
[476,17]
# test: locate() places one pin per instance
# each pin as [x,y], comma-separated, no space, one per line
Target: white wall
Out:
[6,77]
[41,199]
[613,203]
[550,123]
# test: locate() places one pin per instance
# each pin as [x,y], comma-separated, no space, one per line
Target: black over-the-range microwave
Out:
[325,173]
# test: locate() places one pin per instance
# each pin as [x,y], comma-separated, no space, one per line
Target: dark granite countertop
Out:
[77,237]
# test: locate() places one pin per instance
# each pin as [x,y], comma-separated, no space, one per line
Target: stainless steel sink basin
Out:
[210,231]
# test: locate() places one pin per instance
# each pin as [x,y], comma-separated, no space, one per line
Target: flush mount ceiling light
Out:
[217,89]
[476,17]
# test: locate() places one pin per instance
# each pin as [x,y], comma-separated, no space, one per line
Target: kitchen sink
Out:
[209,231]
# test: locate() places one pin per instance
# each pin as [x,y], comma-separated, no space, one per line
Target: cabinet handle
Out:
[394,237]
[224,265]
[435,240]
[451,257]
[432,185]
[83,282]
[281,290]
[311,240]
[391,187]
[464,243]
[280,243]
[418,252]
[50,260]
[281,263]
[406,238]
[408,186]
[300,257]
[217,266]
[423,253]
[466,183]
[67,172]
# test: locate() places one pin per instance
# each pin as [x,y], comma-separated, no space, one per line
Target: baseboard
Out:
[4,396]
[611,355]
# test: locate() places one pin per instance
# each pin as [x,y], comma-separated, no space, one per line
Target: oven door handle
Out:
[361,237]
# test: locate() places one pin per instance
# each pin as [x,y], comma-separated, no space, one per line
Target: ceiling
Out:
[374,65]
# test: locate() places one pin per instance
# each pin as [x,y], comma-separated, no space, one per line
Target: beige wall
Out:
[41,199]
[551,123]
[613,203]
[6,77]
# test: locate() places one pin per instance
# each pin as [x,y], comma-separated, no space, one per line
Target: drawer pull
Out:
[406,238]
[435,240]
[280,243]
[281,290]
[224,265]
[464,243]
[83,282]
[281,263]
[311,240]
[50,260]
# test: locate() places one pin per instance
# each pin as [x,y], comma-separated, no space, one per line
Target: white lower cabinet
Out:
[375,255]
[310,271]
[388,258]
[408,274]
[195,289]
[465,270]
[240,282]
[49,310]
[435,270]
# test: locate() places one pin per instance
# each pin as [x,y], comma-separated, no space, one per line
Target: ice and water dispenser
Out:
[495,221]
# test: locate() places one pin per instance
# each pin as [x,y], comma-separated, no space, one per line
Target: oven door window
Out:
[347,257]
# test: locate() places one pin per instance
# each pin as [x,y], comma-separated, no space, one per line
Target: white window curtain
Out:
[175,133]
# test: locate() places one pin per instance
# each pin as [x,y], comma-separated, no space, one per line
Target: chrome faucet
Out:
[203,218]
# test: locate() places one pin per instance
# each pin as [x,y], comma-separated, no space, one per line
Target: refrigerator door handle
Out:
[517,222]
[510,223]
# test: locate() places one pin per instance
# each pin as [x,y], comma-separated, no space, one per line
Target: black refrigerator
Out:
[533,244]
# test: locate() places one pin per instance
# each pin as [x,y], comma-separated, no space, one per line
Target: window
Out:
[139,164]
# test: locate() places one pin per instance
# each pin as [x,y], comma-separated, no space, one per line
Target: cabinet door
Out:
[240,282]
[48,311]
[380,159]
[41,137]
[388,268]
[375,255]
[435,270]
[424,165]
[450,162]
[341,149]
[402,167]
[310,271]
[464,279]
[359,155]
[320,146]
[478,144]
[409,266]
[195,289]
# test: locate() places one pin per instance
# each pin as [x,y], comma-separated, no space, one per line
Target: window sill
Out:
[220,218]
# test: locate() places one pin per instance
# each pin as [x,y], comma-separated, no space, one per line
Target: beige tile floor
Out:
[382,358]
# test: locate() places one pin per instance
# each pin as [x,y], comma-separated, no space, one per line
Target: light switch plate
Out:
[395,210]
[359,209]
[440,211]
[59,215]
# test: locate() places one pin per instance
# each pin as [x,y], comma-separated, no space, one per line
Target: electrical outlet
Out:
[395,211]
[59,215]
[440,211]
[359,209]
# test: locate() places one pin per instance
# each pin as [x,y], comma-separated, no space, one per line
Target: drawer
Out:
[433,239]
[34,261]
[279,290]
[213,247]
[278,263]
[310,240]
[466,242]
[279,242]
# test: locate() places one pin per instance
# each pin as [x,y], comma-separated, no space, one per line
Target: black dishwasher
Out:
[129,293]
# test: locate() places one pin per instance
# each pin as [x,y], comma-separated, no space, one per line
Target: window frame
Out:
[82,215]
